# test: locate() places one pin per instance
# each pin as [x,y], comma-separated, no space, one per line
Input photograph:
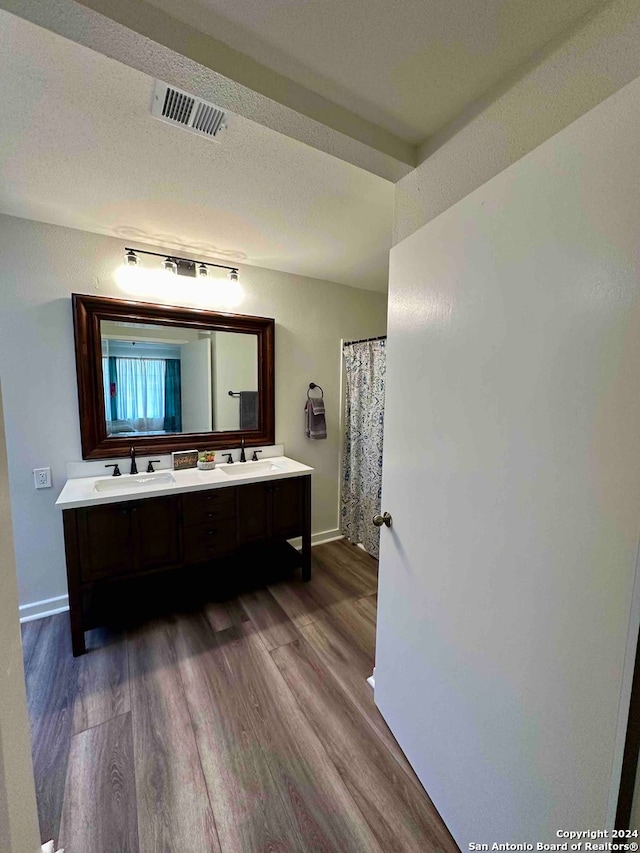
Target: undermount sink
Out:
[135,481]
[248,469]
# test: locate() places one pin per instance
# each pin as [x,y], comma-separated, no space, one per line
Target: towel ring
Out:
[313,385]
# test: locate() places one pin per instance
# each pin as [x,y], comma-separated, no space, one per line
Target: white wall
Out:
[508,614]
[41,266]
[557,87]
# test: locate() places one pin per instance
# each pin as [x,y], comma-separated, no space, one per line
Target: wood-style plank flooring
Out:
[242,725]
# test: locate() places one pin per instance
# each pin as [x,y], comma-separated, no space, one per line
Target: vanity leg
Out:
[78,645]
[70,526]
[306,530]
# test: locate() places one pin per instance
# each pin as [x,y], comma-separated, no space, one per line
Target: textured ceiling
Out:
[409,67]
[82,150]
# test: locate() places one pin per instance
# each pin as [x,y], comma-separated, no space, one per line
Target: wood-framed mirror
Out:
[162,378]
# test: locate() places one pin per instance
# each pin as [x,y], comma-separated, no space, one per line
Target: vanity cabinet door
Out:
[105,541]
[286,508]
[254,512]
[156,533]
[270,510]
[124,538]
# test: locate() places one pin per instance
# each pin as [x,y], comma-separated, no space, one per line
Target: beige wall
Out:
[18,817]
[41,266]
[573,76]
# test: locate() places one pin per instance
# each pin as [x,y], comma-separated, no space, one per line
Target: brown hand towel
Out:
[315,420]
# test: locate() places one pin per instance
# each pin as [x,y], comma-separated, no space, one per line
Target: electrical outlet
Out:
[42,478]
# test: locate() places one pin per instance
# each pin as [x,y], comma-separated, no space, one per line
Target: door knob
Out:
[379,520]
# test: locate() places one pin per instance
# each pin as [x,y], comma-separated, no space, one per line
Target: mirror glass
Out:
[161,379]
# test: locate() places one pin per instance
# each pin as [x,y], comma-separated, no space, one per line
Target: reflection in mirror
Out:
[160,380]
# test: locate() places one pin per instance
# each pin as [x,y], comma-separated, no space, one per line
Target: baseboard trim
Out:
[318,538]
[46,607]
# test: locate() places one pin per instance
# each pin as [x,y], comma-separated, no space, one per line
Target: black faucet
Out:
[116,469]
[243,458]
[150,468]
[134,467]
[254,458]
[229,458]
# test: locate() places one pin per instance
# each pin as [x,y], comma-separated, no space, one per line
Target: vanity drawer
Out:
[205,507]
[208,541]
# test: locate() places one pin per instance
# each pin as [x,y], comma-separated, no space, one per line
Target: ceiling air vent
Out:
[187,111]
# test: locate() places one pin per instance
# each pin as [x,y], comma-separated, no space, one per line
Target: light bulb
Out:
[131,258]
[202,271]
[169,265]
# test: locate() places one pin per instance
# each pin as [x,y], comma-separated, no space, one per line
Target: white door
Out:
[195,378]
[506,628]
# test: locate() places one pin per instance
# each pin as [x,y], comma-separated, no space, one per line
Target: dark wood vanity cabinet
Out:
[127,538]
[271,510]
[287,508]
[105,541]
[156,533]
[117,542]
[218,522]
[253,513]
[209,524]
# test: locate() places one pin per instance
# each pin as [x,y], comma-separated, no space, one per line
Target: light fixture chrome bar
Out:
[233,271]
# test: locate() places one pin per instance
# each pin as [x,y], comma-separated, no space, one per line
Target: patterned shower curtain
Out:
[365,365]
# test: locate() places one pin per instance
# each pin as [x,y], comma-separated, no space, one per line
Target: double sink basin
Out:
[165,478]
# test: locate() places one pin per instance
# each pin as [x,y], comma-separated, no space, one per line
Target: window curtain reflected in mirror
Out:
[172,396]
[142,395]
[111,395]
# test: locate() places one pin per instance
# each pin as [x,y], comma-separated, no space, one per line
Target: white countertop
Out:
[81,491]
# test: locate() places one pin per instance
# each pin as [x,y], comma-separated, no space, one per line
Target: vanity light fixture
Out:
[180,266]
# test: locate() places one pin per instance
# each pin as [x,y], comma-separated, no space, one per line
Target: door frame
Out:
[19,828]
[629,772]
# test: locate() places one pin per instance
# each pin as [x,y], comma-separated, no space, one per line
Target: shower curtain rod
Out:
[364,340]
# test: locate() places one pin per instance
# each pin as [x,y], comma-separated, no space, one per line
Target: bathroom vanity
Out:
[118,530]
[212,385]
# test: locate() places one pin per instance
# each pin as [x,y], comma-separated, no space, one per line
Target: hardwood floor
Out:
[236,726]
